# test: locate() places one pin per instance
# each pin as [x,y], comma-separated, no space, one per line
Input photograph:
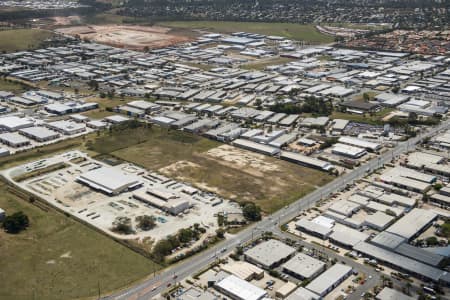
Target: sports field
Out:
[22,39]
[59,258]
[299,32]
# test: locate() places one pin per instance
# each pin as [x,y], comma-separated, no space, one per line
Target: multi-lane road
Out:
[155,285]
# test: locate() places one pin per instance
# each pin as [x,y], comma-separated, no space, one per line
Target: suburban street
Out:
[159,283]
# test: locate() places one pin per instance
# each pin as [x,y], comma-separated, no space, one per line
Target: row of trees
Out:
[184,236]
[311,104]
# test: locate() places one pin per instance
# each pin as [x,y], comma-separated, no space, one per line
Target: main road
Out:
[157,284]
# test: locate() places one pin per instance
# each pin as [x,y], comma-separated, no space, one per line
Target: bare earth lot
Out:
[231,172]
[130,37]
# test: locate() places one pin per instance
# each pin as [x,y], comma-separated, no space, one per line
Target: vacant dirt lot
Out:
[130,37]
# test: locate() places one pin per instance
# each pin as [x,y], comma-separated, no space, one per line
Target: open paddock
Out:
[123,36]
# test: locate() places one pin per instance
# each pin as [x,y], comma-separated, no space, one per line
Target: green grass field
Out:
[22,39]
[375,119]
[262,64]
[289,30]
[11,86]
[59,258]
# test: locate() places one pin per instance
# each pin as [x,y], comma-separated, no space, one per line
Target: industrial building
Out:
[348,151]
[269,254]
[306,161]
[402,263]
[302,266]
[67,127]
[347,237]
[243,270]
[13,123]
[370,146]
[239,289]
[253,146]
[285,290]
[39,133]
[391,294]
[344,207]
[14,139]
[109,180]
[168,202]
[408,179]
[329,279]
[379,220]
[303,294]
[313,228]
[414,223]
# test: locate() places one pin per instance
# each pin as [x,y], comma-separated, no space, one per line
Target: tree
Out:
[146,222]
[412,117]
[432,241]
[122,225]
[162,248]
[16,222]
[185,235]
[220,232]
[251,212]
[366,96]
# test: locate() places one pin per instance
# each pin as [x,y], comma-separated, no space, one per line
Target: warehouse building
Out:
[303,294]
[440,200]
[379,220]
[413,224]
[408,179]
[283,140]
[391,294]
[109,180]
[402,263]
[387,240]
[243,270]
[67,127]
[313,228]
[396,199]
[302,266]
[306,161]
[13,123]
[391,100]
[253,146]
[145,106]
[329,279]
[344,207]
[39,133]
[392,210]
[165,201]
[370,146]
[348,151]
[347,237]
[97,124]
[285,290]
[4,152]
[116,119]
[79,118]
[239,289]
[269,254]
[14,139]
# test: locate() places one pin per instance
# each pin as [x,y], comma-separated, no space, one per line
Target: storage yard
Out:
[99,195]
